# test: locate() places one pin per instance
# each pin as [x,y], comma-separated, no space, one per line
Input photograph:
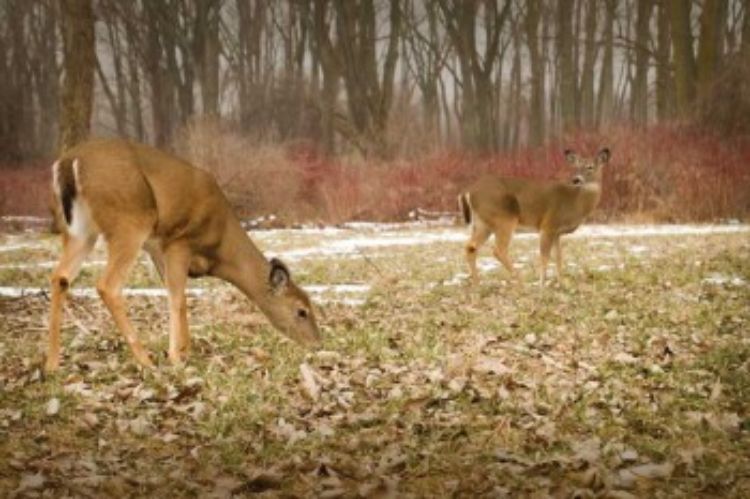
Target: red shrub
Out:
[25,190]
[663,173]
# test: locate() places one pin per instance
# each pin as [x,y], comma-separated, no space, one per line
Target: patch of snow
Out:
[348,301]
[319,291]
[308,231]
[638,249]
[355,245]
[386,236]
[657,230]
[721,279]
[48,265]
[19,247]
[337,288]
[19,291]
[23,218]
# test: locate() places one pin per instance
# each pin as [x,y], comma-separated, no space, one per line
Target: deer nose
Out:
[577,180]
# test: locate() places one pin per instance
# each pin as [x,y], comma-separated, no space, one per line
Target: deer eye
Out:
[301,313]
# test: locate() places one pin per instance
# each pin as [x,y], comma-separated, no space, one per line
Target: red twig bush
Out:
[661,174]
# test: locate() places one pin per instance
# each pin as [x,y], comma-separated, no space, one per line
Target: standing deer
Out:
[497,205]
[138,197]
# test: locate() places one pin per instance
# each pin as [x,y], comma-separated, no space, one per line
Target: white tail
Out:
[138,197]
[497,205]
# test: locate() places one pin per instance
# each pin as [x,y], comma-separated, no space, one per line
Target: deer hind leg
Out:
[122,251]
[546,241]
[176,265]
[503,234]
[156,254]
[558,258]
[75,250]
[479,234]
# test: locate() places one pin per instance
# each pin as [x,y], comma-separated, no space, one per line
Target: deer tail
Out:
[464,207]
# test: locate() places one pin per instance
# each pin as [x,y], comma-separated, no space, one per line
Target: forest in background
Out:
[332,110]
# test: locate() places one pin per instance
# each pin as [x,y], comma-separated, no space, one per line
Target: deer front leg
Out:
[558,258]
[176,265]
[546,241]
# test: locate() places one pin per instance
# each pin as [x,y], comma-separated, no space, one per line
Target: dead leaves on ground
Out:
[620,385]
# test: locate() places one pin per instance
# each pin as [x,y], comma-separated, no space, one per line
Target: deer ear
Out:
[603,156]
[279,277]
[570,156]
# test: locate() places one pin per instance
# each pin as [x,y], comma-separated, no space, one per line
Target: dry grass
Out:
[637,365]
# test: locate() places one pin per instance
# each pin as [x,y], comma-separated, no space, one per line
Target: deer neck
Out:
[588,197]
[241,263]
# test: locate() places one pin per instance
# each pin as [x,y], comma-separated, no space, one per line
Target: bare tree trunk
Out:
[639,98]
[587,101]
[369,94]
[745,47]
[710,42]
[79,65]
[161,98]
[605,105]
[207,51]
[479,127]
[15,83]
[515,91]
[134,87]
[46,71]
[330,65]
[664,83]
[567,70]
[537,117]
[684,58]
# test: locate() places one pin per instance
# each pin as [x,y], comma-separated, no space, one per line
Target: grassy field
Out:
[629,378]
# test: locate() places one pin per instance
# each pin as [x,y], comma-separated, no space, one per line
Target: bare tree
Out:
[684,57]
[79,64]
[639,98]
[606,100]
[567,69]
[537,116]
[479,128]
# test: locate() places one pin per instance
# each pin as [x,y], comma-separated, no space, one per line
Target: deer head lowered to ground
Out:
[497,205]
[138,197]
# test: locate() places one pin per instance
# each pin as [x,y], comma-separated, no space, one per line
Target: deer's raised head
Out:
[288,307]
[587,170]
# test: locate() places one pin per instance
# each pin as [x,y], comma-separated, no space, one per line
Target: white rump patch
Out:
[55,177]
[76,176]
[82,225]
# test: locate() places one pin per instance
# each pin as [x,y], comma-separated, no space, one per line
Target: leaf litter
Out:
[626,382]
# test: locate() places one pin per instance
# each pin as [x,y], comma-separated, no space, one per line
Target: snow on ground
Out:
[347,294]
[350,243]
[363,239]
[18,291]
[48,265]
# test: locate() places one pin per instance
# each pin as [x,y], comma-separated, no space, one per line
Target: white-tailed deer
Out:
[138,197]
[497,205]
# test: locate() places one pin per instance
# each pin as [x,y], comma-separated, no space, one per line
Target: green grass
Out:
[646,355]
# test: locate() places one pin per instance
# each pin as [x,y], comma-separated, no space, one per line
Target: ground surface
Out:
[631,378]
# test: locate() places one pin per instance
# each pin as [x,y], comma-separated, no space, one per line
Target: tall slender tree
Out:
[79,65]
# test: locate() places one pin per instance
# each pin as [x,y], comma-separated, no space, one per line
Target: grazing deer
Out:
[497,205]
[137,197]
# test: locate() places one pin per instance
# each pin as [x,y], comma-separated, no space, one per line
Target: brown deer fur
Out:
[498,205]
[134,197]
